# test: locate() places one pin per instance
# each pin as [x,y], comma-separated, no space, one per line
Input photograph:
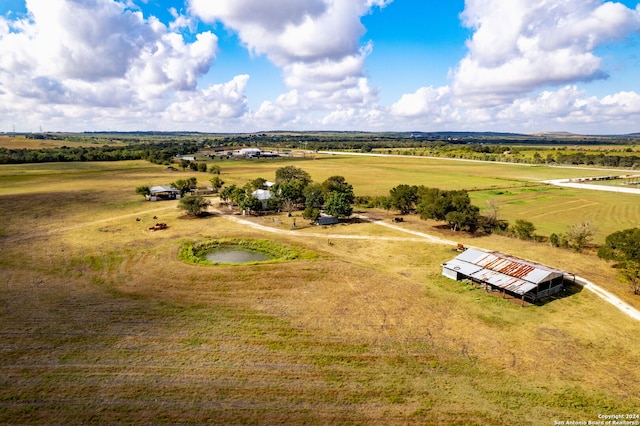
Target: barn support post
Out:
[522,300]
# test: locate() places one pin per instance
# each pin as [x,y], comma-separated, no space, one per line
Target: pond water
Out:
[236,256]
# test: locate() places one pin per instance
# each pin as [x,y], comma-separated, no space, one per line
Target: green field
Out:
[102,323]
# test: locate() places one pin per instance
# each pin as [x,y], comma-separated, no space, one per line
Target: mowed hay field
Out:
[101,323]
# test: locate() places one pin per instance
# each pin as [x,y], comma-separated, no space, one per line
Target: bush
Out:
[143,190]
[523,229]
[194,205]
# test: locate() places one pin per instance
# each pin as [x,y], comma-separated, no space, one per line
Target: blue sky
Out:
[374,65]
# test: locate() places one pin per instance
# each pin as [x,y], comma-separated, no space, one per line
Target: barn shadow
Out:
[570,289]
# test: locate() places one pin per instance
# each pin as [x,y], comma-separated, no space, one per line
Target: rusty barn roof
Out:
[510,266]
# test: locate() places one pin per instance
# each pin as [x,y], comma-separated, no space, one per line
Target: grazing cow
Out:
[398,219]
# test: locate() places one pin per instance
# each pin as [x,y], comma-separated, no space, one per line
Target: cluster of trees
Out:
[453,207]
[294,189]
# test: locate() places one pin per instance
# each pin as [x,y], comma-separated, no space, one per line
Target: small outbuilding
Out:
[157,193]
[324,219]
[495,271]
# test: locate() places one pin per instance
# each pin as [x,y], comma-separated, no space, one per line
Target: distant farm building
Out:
[495,271]
[157,193]
[250,152]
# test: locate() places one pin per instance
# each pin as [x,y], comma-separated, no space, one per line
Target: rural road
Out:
[567,183]
[421,236]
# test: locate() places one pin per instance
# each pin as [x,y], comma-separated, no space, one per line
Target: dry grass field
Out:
[101,323]
[21,142]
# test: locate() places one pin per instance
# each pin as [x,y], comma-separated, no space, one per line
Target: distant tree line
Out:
[158,152]
[160,147]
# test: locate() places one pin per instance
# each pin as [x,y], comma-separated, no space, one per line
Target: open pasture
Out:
[101,323]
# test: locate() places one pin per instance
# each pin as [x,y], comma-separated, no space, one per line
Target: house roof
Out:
[261,194]
[511,273]
[158,189]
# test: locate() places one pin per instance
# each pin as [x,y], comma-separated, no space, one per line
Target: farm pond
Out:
[238,251]
[235,255]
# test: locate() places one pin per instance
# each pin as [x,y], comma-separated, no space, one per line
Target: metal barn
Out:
[157,193]
[500,272]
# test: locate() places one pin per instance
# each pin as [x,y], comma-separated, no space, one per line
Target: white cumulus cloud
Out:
[315,42]
[218,103]
[524,45]
[67,58]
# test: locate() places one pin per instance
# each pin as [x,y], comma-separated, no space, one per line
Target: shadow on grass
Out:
[570,289]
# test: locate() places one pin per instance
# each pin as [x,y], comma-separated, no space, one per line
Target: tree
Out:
[631,274]
[258,183]
[214,169]
[184,164]
[238,195]
[580,235]
[463,220]
[185,185]
[225,195]
[216,183]
[624,247]
[290,184]
[523,229]
[492,213]
[337,204]
[311,213]
[202,167]
[433,203]
[289,174]
[143,190]
[290,193]
[313,196]
[194,205]
[382,202]
[338,184]
[452,206]
[403,197]
[249,202]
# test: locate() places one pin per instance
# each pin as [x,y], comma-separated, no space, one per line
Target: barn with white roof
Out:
[517,277]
